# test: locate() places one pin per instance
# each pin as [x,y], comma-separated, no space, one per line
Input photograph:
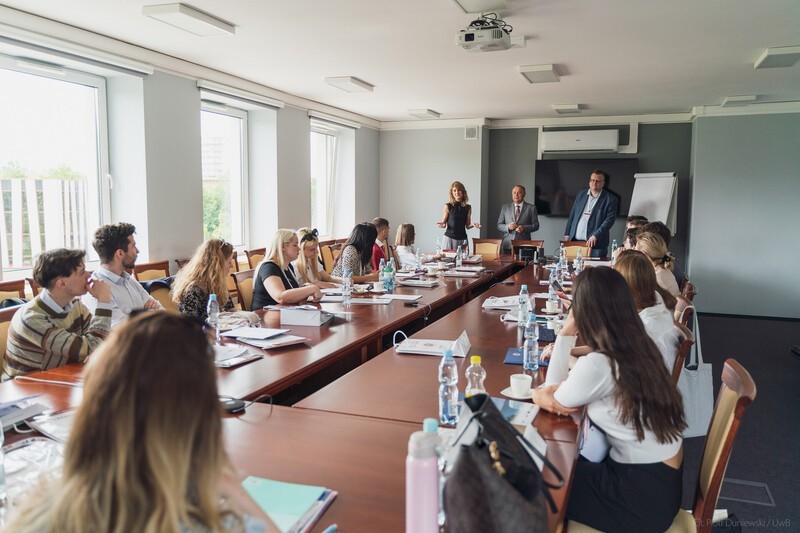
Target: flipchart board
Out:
[655,196]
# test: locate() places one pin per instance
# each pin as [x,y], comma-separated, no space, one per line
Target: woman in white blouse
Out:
[653,246]
[404,247]
[307,265]
[655,305]
[629,395]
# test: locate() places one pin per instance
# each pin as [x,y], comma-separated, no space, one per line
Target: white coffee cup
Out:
[552,306]
[521,384]
[432,270]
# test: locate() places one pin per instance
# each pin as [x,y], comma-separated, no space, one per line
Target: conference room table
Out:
[403,387]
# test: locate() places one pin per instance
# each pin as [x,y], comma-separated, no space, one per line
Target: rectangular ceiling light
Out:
[423,113]
[539,73]
[189,19]
[785,56]
[350,84]
[738,101]
[566,109]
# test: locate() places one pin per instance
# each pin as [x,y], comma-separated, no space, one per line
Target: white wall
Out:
[294,168]
[416,170]
[744,250]
[263,176]
[367,182]
[174,175]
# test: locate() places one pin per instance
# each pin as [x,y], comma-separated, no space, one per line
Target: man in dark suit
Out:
[518,219]
[592,215]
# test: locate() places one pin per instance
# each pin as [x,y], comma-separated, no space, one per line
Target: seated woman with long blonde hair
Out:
[206,273]
[145,451]
[308,266]
[275,278]
[653,246]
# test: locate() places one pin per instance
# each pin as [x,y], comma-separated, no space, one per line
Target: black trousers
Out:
[612,496]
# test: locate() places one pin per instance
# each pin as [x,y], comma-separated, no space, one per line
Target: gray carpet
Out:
[765,451]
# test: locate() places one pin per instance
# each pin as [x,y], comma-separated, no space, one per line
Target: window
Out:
[224,146]
[323,174]
[52,157]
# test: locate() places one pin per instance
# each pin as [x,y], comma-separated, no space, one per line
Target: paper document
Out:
[276,342]
[57,426]
[429,284]
[402,297]
[254,333]
[371,301]
[506,302]
[460,274]
[228,351]
[460,346]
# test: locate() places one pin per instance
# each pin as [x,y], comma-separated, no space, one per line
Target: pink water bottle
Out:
[422,483]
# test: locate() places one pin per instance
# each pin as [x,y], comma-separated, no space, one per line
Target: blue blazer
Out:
[600,221]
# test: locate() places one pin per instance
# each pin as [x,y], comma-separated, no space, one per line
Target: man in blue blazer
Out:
[592,215]
[517,220]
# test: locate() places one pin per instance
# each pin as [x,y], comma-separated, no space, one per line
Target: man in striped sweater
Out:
[55,328]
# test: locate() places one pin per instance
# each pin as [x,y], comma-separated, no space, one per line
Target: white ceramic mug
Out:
[552,306]
[521,384]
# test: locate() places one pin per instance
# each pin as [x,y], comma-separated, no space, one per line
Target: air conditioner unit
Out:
[580,141]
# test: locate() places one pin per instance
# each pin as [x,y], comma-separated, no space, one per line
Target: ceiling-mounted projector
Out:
[485,34]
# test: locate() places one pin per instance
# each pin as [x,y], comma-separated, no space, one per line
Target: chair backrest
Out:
[689,290]
[5,321]
[738,390]
[329,251]
[149,271]
[181,263]
[255,256]
[162,294]
[683,310]
[516,245]
[12,289]
[244,286]
[35,287]
[572,247]
[685,343]
[486,246]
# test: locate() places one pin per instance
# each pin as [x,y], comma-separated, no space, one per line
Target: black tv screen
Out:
[558,181]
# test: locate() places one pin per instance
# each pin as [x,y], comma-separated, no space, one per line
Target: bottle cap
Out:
[475,359]
[212,297]
[430,425]
[448,353]
[524,287]
[346,271]
[532,317]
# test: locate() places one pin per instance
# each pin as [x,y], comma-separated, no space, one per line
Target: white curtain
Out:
[330,180]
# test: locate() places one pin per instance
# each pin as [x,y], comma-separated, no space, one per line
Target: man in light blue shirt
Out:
[115,245]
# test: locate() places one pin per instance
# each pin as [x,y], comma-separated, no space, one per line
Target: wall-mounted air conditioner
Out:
[580,141]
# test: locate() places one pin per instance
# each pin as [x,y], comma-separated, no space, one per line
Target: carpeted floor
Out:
[766,447]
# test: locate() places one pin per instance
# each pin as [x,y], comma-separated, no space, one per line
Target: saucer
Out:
[545,311]
[507,392]
[378,290]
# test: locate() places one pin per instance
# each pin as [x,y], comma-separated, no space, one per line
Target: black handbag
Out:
[494,485]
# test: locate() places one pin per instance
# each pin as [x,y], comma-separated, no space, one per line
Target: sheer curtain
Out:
[330,179]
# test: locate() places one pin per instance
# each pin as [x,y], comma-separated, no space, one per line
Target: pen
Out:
[331,528]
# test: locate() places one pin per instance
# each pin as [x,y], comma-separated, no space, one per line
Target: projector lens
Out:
[469,37]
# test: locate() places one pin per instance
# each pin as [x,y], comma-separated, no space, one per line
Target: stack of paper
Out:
[460,274]
[506,302]
[293,507]
[459,346]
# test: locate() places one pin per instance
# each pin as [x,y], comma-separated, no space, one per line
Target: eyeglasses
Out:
[310,236]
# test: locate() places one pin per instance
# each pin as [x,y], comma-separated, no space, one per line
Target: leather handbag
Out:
[494,484]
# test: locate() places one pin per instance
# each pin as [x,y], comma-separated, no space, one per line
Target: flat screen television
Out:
[558,181]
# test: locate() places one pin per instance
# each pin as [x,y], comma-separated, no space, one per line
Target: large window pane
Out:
[224,174]
[323,165]
[49,165]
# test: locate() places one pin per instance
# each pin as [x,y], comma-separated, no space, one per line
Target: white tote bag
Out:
[697,388]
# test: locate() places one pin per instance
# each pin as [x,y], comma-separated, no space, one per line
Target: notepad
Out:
[293,507]
[514,357]
[57,426]
[254,333]
[276,342]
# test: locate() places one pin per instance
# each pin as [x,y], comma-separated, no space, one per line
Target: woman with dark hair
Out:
[145,451]
[630,396]
[457,217]
[356,254]
[655,305]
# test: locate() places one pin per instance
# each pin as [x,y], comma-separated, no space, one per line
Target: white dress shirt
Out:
[127,294]
[583,222]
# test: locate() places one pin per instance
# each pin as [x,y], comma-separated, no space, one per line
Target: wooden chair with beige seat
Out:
[737,392]
[35,287]
[683,310]
[255,256]
[162,294]
[181,262]
[516,246]
[329,251]
[12,289]
[572,247]
[244,286]
[685,343]
[151,271]
[486,246]
[5,321]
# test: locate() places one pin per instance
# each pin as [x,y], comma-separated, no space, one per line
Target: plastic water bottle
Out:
[391,271]
[448,389]
[530,350]
[562,254]
[459,258]
[422,483]
[552,294]
[578,262]
[418,260]
[387,273]
[212,310]
[524,307]
[614,247]
[431,425]
[439,246]
[475,376]
[347,288]
[381,274]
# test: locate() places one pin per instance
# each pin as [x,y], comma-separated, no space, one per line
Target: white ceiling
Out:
[615,57]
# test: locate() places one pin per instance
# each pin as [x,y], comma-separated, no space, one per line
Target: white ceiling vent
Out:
[580,141]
